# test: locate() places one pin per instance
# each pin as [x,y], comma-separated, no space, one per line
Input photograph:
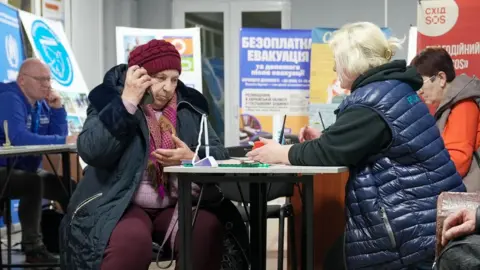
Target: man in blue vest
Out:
[35,116]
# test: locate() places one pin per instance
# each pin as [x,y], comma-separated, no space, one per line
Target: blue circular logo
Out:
[52,52]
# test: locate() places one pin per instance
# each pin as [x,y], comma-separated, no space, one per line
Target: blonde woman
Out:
[398,162]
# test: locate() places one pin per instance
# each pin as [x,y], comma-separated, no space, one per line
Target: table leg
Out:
[185,222]
[67,178]
[307,224]
[258,226]
[8,211]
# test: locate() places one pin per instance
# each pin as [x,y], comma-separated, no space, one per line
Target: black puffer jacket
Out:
[114,145]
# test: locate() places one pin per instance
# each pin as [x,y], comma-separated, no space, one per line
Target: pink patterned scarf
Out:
[160,137]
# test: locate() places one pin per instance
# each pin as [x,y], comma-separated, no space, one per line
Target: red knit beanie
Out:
[156,56]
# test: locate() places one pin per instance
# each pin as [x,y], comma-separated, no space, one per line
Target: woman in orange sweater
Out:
[455,108]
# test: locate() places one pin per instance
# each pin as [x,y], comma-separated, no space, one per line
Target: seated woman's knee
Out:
[137,239]
[131,237]
[130,248]
[209,225]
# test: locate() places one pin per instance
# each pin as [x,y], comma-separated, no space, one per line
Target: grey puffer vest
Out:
[462,88]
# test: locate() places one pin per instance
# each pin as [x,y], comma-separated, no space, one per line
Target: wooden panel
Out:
[329,202]
[76,170]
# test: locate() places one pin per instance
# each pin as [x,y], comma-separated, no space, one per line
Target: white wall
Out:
[87,38]
[93,23]
[116,13]
[131,13]
[154,13]
[401,15]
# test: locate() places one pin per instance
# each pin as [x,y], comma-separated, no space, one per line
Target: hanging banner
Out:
[452,25]
[53,10]
[187,42]
[274,81]
[50,44]
[11,58]
[325,91]
[10,44]
[412,43]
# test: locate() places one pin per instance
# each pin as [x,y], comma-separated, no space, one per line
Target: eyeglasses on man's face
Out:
[39,78]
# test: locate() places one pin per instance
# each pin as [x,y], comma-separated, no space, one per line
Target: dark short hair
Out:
[433,60]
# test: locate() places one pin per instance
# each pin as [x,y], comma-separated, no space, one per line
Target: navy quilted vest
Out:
[391,198]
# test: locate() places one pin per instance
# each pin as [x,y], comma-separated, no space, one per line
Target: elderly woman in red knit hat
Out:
[141,119]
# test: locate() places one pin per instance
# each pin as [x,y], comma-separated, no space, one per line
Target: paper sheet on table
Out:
[237,160]
[82,163]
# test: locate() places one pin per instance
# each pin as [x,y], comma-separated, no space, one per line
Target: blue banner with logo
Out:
[52,50]
[11,45]
[274,80]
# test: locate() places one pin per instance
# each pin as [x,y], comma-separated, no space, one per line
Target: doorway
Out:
[220,23]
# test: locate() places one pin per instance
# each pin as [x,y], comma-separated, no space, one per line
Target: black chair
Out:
[289,138]
[239,192]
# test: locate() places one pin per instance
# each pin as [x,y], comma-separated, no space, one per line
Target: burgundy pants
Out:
[130,245]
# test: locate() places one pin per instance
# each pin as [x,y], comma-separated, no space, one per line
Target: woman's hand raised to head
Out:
[136,84]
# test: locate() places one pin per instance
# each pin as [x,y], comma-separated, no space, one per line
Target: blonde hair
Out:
[360,46]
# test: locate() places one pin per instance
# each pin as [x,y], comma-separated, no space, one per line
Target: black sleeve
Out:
[106,134]
[357,134]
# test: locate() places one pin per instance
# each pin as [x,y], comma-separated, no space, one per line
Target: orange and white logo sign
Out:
[437,17]
[453,26]
[184,45]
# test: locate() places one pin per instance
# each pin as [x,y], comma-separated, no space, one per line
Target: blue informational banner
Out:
[274,80]
[322,35]
[275,59]
[11,46]
[11,57]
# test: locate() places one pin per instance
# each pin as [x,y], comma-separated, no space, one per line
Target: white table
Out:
[11,153]
[28,150]
[258,179]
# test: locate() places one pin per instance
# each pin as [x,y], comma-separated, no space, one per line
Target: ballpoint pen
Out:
[321,120]
[282,131]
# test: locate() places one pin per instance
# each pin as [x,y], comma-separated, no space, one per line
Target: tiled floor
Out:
[272,244]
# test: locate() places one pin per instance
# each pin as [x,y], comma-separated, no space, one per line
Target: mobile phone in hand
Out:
[147,97]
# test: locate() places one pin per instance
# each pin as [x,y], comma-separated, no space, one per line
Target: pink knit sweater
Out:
[146,196]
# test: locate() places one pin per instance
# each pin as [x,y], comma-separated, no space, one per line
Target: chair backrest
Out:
[240,191]
[238,151]
[289,138]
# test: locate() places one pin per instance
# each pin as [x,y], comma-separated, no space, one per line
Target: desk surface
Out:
[273,169]
[36,150]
